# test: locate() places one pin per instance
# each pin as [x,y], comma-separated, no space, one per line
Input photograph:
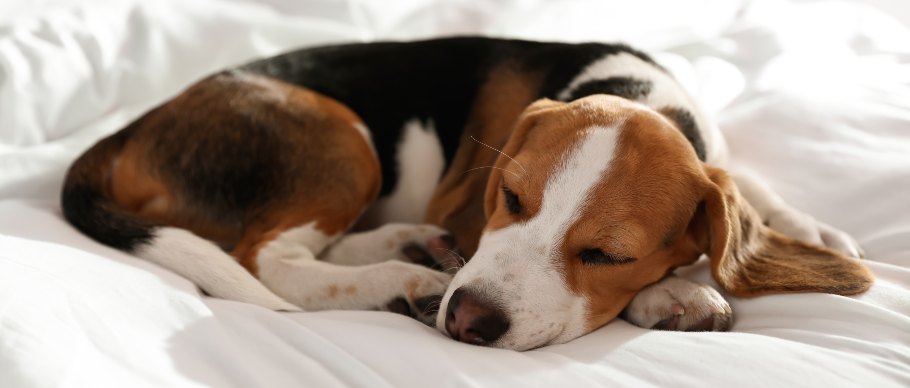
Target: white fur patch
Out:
[665,92]
[288,266]
[693,302]
[305,242]
[519,264]
[214,271]
[793,223]
[420,164]
[380,244]
[266,90]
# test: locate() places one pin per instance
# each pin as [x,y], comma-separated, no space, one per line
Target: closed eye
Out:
[512,203]
[597,256]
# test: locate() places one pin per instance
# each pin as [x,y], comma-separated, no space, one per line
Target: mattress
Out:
[814,96]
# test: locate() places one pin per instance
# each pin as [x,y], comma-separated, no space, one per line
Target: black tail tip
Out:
[92,214]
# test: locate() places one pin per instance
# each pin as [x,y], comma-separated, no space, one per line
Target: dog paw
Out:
[427,245]
[680,305]
[840,241]
[803,227]
[420,292]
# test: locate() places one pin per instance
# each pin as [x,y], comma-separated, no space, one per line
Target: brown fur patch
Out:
[652,205]
[332,291]
[639,209]
[655,205]
[750,259]
[537,145]
[240,158]
[411,288]
[136,190]
[455,205]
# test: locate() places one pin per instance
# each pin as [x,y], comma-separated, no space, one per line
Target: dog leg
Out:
[427,245]
[782,217]
[287,265]
[208,267]
[679,304]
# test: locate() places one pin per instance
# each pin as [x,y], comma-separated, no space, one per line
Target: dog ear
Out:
[489,196]
[494,182]
[528,120]
[750,259]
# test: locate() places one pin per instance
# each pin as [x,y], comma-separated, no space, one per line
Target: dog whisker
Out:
[432,307]
[501,153]
[459,261]
[450,269]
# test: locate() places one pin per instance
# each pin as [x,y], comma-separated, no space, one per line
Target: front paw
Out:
[800,226]
[419,293]
[426,245]
[680,305]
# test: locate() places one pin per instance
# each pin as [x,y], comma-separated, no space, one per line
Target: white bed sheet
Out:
[814,96]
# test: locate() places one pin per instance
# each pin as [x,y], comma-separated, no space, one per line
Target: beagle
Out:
[576,178]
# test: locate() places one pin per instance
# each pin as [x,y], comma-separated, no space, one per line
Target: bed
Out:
[812,95]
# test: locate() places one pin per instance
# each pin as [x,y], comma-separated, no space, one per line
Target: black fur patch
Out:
[625,87]
[428,304]
[399,305]
[193,157]
[563,62]
[389,83]
[85,209]
[418,255]
[686,123]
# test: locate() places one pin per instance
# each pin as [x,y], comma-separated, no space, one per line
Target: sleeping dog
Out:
[576,178]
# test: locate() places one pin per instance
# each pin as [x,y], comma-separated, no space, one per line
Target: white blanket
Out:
[813,96]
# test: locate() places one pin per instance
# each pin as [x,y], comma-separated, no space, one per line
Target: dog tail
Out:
[87,205]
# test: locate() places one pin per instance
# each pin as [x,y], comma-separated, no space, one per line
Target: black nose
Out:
[472,320]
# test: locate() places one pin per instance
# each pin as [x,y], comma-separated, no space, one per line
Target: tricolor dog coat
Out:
[572,178]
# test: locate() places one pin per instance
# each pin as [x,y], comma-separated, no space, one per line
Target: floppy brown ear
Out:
[528,119]
[750,259]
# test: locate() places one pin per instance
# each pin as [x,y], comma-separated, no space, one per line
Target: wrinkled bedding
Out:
[812,95]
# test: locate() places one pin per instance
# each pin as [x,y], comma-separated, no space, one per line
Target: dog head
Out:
[592,201]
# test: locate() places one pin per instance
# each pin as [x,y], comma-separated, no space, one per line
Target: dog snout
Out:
[473,320]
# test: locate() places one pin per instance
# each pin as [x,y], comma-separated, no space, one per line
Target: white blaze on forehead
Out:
[518,264]
[569,187]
